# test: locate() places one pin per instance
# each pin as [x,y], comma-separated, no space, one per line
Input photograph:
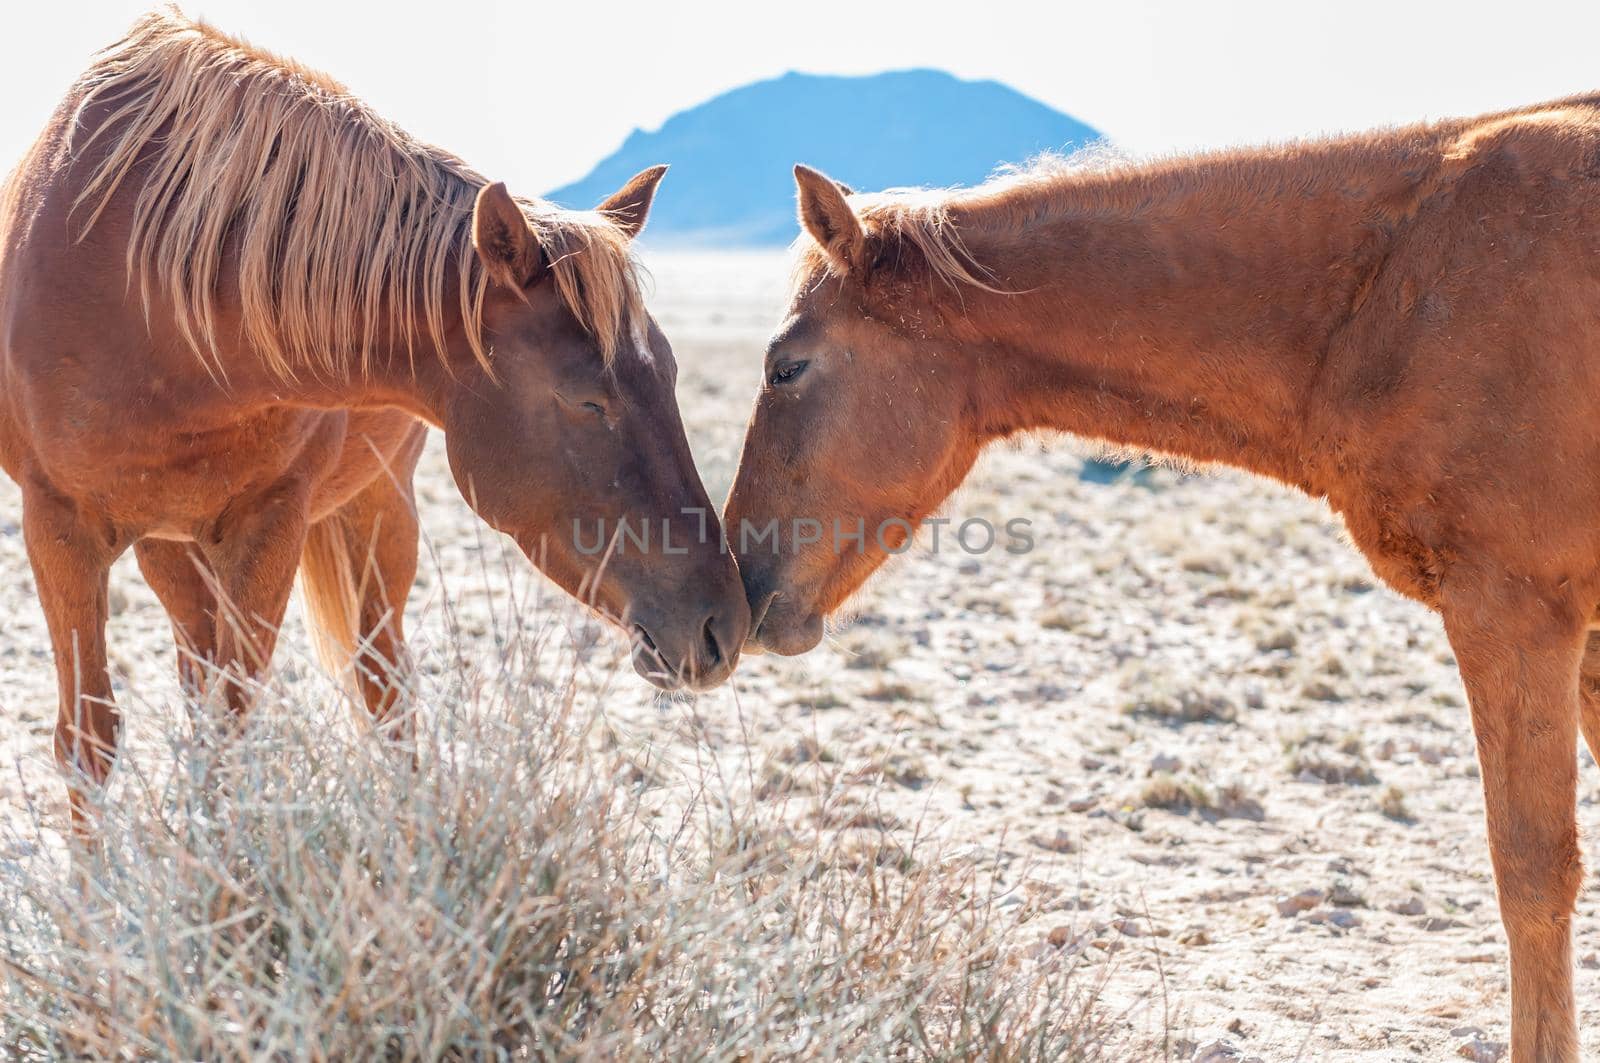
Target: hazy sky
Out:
[535,92]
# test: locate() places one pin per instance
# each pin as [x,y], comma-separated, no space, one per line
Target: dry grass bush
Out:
[524,891]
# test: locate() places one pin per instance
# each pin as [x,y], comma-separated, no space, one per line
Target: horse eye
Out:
[593,407]
[786,372]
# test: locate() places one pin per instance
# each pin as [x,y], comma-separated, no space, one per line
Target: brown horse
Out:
[1406,323]
[231,300]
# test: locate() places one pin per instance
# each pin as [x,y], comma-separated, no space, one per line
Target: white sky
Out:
[534,92]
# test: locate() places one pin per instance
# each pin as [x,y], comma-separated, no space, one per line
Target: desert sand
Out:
[1190,735]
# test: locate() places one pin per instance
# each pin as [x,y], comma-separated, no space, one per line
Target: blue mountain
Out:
[732,156]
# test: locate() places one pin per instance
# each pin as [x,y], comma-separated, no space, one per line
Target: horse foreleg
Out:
[1522,681]
[71,560]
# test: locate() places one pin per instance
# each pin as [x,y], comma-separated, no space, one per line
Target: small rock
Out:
[1303,901]
[1343,918]
[1060,936]
[1197,936]
[1589,960]
[1165,762]
[1478,1050]
[1082,804]
[1412,905]
[1060,842]
[1215,1052]
[1344,895]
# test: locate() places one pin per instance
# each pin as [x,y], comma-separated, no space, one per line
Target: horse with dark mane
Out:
[1405,323]
[231,300]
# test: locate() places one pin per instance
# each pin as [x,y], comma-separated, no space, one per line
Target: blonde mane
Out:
[336,228]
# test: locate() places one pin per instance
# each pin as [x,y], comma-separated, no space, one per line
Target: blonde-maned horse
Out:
[231,300]
[1406,323]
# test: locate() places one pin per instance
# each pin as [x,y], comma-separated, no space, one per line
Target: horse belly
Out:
[171,481]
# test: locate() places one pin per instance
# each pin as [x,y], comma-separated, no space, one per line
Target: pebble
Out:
[1059,842]
[1412,905]
[1477,1049]
[1219,1052]
[1343,918]
[1304,901]
[1165,763]
[1344,895]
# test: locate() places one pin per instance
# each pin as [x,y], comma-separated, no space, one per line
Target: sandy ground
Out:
[1187,729]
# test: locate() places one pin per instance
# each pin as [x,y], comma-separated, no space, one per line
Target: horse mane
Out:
[928,219]
[341,225]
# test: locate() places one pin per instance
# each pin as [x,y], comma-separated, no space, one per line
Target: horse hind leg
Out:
[183,581]
[356,573]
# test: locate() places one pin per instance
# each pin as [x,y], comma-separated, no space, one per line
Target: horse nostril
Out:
[713,650]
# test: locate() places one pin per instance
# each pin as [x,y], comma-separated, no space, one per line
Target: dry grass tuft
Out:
[1164,699]
[523,891]
[1346,764]
[1392,803]
[1185,794]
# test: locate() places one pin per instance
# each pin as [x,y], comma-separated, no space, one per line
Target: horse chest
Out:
[1400,546]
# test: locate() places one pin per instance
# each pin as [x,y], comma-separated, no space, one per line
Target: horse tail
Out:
[332,597]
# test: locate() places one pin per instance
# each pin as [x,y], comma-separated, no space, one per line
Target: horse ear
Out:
[629,205]
[828,218]
[503,238]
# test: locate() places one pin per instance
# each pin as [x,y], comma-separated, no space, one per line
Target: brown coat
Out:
[1406,323]
[231,300]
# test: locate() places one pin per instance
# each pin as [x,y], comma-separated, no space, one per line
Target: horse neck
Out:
[1190,318]
[405,368]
